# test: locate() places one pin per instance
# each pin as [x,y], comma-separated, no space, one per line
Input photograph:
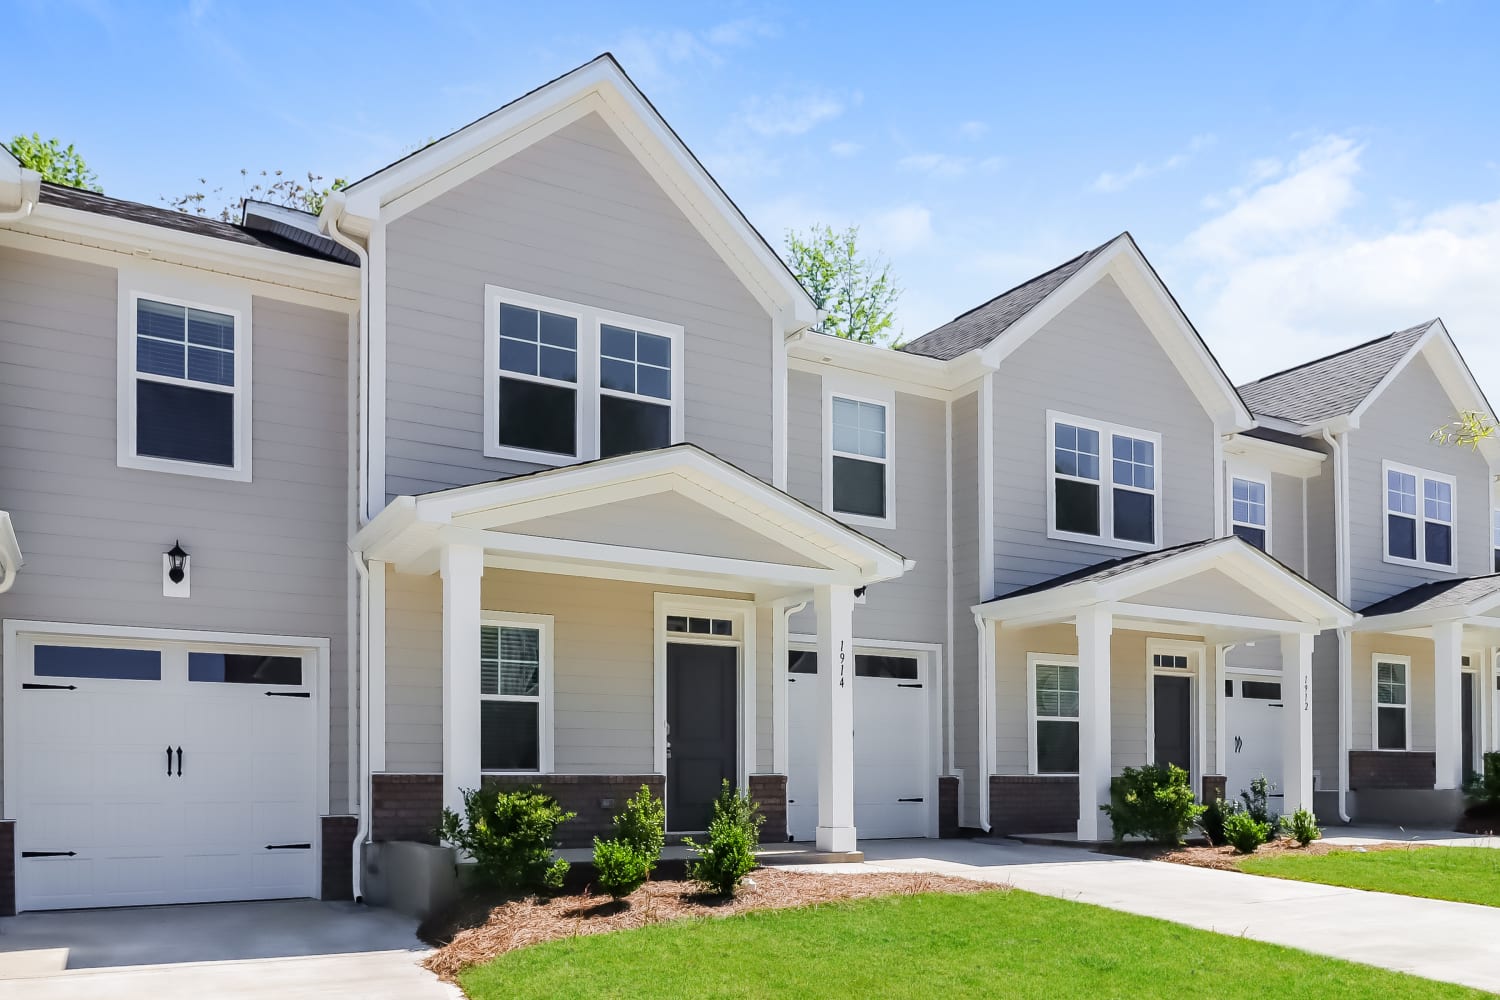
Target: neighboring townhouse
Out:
[522,465]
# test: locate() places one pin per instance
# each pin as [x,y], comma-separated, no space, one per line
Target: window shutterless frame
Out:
[543,626]
[866,398]
[170,290]
[589,387]
[1398,683]
[1033,716]
[1423,504]
[1250,508]
[1145,479]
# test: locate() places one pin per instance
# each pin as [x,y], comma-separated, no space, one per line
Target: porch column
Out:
[1447,671]
[1296,721]
[835,609]
[462,567]
[1095,767]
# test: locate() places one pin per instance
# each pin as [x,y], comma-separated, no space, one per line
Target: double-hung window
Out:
[1054,682]
[1105,483]
[1247,510]
[515,667]
[1392,702]
[568,382]
[859,466]
[184,386]
[1418,517]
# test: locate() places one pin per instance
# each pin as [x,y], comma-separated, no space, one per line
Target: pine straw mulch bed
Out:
[477,930]
[1224,858]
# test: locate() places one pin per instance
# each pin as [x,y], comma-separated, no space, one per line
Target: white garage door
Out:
[162,772]
[1252,716]
[893,783]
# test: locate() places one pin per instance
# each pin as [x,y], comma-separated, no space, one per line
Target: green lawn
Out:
[1462,874]
[1010,944]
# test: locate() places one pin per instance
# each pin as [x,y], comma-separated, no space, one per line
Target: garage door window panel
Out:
[97,663]
[244,668]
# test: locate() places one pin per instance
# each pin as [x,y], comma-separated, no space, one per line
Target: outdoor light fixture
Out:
[174,578]
[178,563]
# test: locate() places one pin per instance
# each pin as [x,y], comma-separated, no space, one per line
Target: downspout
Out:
[31,193]
[1337,445]
[335,208]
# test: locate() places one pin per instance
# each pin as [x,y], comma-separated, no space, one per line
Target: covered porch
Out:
[1125,663]
[602,626]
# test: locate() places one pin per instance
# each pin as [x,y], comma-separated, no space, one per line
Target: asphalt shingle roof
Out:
[982,324]
[1109,569]
[1331,386]
[1436,595]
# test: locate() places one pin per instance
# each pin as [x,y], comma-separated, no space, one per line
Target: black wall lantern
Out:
[174,572]
[177,563]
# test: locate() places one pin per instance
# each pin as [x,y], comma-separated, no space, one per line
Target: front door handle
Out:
[169,761]
[179,762]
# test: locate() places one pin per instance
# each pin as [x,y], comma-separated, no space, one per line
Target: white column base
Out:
[836,839]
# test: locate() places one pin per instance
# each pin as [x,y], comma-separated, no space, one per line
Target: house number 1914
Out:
[843,662]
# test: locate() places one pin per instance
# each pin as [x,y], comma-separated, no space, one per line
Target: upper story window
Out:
[859,465]
[184,386]
[1249,506]
[1104,483]
[1418,517]
[566,382]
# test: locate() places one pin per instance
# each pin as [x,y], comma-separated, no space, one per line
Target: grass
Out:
[1460,874]
[1010,944]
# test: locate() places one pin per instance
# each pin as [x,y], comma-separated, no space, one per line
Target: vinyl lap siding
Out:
[268,556]
[1095,360]
[574,217]
[1287,522]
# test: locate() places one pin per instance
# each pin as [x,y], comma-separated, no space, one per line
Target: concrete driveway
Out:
[280,949]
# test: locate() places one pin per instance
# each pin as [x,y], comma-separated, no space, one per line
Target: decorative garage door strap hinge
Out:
[48,687]
[917,799]
[908,685]
[49,854]
[288,694]
[288,847]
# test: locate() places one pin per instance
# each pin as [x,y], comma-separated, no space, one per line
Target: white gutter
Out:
[1340,451]
[28,187]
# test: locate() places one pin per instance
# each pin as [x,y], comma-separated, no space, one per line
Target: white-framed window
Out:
[1392,702]
[568,382]
[859,455]
[183,377]
[1495,537]
[1419,518]
[515,692]
[1052,681]
[1104,483]
[1250,509]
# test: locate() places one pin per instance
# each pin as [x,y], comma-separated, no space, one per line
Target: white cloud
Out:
[1112,183]
[651,54]
[948,164]
[973,129]
[784,114]
[903,228]
[845,148]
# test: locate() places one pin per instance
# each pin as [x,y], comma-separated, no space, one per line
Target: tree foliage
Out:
[58,164]
[272,186]
[858,292]
[1465,430]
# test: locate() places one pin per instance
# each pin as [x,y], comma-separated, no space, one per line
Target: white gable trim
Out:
[1123,261]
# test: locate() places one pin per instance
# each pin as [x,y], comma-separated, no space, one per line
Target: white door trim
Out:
[1199,736]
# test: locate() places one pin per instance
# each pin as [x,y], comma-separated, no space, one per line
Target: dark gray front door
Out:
[1174,720]
[701,702]
[1470,751]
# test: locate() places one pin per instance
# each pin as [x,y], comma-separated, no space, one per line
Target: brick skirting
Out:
[405,806]
[947,805]
[769,792]
[1033,803]
[8,868]
[1215,786]
[1392,769]
[338,856]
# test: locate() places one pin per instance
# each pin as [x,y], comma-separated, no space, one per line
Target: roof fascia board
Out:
[1275,456]
[913,373]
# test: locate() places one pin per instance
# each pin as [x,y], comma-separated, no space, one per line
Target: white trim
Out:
[163,285]
[1107,433]
[986,506]
[779,391]
[379,487]
[823,355]
[1032,718]
[1284,459]
[1405,662]
[1261,478]
[885,399]
[1422,476]
[543,624]
[1476,667]
[949,765]
[375,674]
[1198,736]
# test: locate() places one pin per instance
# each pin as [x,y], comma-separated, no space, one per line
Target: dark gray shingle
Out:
[1437,595]
[1334,385]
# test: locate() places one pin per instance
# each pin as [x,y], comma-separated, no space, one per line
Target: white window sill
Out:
[862,520]
[546,458]
[174,467]
[1419,564]
[1101,541]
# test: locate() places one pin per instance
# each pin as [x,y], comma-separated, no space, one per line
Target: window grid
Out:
[1055,712]
[635,363]
[183,345]
[859,429]
[1133,480]
[859,460]
[1420,533]
[510,671]
[1391,702]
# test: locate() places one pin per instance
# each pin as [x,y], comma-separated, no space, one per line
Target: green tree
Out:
[1466,430]
[267,185]
[58,164]
[857,292]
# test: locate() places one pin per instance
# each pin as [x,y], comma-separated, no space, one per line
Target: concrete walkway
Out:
[238,951]
[1430,938]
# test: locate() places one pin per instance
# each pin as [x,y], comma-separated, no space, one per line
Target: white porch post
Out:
[1447,669]
[1296,721]
[835,608]
[1095,767]
[462,567]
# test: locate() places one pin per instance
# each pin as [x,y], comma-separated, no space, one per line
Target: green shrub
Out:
[621,867]
[733,836]
[510,836]
[1258,804]
[1155,802]
[1302,826]
[1483,790]
[1245,833]
[1212,820]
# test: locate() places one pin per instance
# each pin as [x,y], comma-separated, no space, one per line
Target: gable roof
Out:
[1334,385]
[982,324]
[598,86]
[1438,596]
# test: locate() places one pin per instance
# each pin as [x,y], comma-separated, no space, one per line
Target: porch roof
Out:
[678,513]
[1469,598]
[1253,593]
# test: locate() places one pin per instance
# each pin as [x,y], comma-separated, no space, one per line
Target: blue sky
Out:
[1303,175]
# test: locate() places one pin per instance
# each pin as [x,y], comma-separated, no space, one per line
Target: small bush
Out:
[624,862]
[733,836]
[1483,790]
[1244,832]
[1258,804]
[621,867]
[1155,802]
[510,836]
[1212,820]
[1302,826]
